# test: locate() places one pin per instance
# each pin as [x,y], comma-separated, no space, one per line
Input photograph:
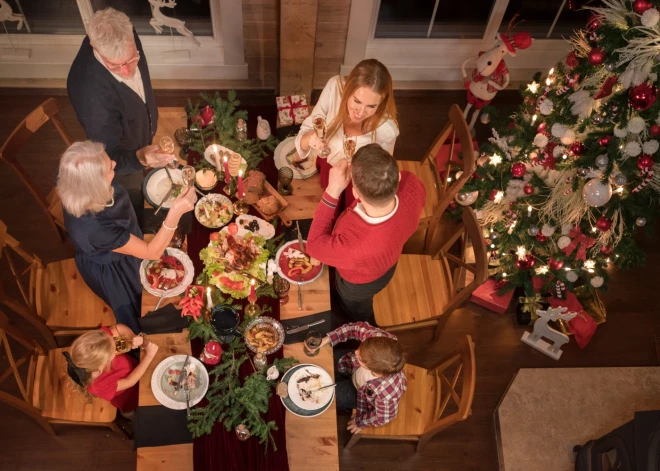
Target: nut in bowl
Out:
[264,335]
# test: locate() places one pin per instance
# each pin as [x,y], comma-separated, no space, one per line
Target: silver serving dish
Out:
[269,321]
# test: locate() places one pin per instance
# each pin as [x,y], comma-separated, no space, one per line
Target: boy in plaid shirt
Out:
[370,379]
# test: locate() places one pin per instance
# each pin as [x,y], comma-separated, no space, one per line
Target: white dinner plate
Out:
[159,184]
[285,148]
[266,229]
[165,394]
[181,287]
[326,395]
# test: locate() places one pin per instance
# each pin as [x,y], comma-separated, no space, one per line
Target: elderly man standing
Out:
[110,89]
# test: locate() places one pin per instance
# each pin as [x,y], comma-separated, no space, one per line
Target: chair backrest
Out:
[455,128]
[25,277]
[47,111]
[456,375]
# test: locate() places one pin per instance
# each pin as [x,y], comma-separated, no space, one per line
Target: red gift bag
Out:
[582,326]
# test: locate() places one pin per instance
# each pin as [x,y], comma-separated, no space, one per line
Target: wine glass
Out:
[312,343]
[320,129]
[188,175]
[183,138]
[284,178]
[349,147]
[167,146]
[281,288]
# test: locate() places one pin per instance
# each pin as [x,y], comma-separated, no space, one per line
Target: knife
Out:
[167,196]
[301,243]
[182,375]
[169,175]
[304,327]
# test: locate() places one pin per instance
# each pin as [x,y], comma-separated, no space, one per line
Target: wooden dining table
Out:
[311,442]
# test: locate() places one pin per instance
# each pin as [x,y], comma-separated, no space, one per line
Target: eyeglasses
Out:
[135,59]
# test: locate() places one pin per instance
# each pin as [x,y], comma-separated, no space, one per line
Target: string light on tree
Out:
[521,252]
[495,159]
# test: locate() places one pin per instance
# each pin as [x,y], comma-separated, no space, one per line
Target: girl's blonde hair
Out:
[92,351]
[81,180]
[374,75]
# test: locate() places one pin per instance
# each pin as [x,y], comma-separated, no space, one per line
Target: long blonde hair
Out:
[81,180]
[374,75]
[91,352]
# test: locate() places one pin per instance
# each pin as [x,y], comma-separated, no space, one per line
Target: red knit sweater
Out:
[363,252]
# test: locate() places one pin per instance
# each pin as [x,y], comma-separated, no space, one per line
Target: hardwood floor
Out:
[628,338]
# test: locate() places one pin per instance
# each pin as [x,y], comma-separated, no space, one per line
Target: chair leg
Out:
[440,326]
[115,428]
[421,443]
[354,439]
[46,425]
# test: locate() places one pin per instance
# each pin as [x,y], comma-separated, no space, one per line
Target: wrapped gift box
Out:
[291,109]
[486,296]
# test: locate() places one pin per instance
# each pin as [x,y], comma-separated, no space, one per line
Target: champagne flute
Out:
[167,146]
[188,176]
[349,147]
[320,129]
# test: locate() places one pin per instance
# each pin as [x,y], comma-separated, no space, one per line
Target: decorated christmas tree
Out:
[567,181]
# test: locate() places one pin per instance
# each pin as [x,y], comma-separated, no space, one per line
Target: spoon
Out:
[161,298]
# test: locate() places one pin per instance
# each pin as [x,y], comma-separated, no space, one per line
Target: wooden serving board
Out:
[268,191]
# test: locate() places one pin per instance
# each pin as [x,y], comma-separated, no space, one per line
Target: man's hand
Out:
[340,177]
[351,427]
[152,156]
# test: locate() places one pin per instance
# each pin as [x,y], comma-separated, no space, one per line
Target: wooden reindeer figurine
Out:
[491,74]
[7,14]
[541,330]
[159,20]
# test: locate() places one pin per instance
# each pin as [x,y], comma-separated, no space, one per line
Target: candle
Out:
[529,211]
[253,293]
[240,186]
[226,164]
[209,303]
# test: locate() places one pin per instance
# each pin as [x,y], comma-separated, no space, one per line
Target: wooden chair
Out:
[50,205]
[53,297]
[440,192]
[426,407]
[426,289]
[46,394]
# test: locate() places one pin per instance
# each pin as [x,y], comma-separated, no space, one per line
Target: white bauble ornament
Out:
[563,242]
[540,140]
[596,193]
[558,130]
[597,281]
[558,151]
[566,228]
[468,199]
[619,132]
[484,118]
[633,149]
[571,276]
[547,230]
[640,221]
[568,138]
[601,161]
[650,17]
[650,147]
[636,125]
[546,107]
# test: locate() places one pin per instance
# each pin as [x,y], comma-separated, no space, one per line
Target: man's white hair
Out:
[81,181]
[111,33]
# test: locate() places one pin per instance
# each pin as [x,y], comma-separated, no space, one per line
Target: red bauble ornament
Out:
[594,22]
[606,250]
[550,147]
[643,96]
[452,204]
[555,264]
[572,60]
[640,6]
[207,115]
[527,262]
[528,189]
[511,125]
[518,169]
[474,176]
[492,195]
[577,149]
[542,128]
[654,129]
[605,141]
[603,224]
[211,353]
[644,161]
[597,56]
[540,237]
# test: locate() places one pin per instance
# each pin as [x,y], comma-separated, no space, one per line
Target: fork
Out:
[187,390]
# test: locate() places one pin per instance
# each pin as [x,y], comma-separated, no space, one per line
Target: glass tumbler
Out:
[284,178]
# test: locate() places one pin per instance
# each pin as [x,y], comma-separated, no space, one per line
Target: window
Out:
[46,17]
[545,18]
[432,18]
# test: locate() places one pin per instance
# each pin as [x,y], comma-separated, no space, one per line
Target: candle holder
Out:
[227,189]
[240,206]
[251,310]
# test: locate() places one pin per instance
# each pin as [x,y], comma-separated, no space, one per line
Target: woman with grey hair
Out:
[104,228]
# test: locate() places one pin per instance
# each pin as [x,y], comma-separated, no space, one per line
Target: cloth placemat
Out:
[160,426]
[300,336]
[151,222]
[166,320]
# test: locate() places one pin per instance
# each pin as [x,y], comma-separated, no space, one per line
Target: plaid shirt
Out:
[378,399]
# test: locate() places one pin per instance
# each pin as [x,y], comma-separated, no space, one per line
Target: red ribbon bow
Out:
[581,241]
[294,105]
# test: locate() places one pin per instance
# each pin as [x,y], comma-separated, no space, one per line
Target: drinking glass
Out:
[349,147]
[188,175]
[183,138]
[284,178]
[320,129]
[281,288]
[312,343]
[123,344]
[167,146]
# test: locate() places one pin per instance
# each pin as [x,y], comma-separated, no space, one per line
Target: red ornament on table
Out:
[645,161]
[605,141]
[640,6]
[643,96]
[654,129]
[572,60]
[597,56]
[577,149]
[607,250]
[555,264]
[603,224]
[527,262]
[541,238]
[207,114]
[594,22]
[518,169]
[528,189]
[211,353]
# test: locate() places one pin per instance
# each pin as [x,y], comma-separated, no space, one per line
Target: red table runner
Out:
[221,450]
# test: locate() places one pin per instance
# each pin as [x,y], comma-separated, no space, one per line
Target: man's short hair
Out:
[110,33]
[375,174]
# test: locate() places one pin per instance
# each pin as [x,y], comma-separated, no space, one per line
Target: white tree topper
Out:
[159,19]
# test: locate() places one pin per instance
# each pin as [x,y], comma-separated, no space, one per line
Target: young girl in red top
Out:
[94,366]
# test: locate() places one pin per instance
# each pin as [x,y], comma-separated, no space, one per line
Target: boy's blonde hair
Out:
[382,355]
[92,351]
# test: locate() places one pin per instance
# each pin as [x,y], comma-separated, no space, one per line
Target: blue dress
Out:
[113,277]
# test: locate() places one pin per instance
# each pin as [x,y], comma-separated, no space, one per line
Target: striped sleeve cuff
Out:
[329,200]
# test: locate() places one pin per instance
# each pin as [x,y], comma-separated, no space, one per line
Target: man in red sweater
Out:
[365,242]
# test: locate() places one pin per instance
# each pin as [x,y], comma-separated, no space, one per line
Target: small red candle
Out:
[226,164]
[240,185]
[253,293]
